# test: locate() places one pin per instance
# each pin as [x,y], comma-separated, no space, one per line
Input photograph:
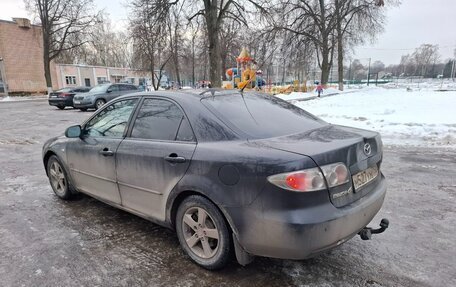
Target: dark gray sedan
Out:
[229,171]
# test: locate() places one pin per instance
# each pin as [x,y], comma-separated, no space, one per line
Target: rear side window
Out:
[124,87]
[261,116]
[161,120]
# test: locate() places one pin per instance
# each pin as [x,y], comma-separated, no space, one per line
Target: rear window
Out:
[64,90]
[261,116]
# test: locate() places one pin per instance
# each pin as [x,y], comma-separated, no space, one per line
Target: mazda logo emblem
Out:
[367,149]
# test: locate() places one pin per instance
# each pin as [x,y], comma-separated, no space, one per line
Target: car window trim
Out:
[144,97]
[111,103]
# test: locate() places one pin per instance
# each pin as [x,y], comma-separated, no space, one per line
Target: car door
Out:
[154,156]
[115,92]
[92,157]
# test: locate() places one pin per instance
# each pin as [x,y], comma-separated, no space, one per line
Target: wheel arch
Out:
[46,157]
[177,198]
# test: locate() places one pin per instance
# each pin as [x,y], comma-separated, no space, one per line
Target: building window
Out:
[70,80]
[101,80]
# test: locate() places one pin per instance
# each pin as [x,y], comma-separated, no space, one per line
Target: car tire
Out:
[99,103]
[203,232]
[60,107]
[83,109]
[58,178]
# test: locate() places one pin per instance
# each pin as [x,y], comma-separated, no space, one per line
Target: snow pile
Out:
[6,99]
[425,118]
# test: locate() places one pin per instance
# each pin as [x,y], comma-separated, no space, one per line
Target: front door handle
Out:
[106,152]
[174,158]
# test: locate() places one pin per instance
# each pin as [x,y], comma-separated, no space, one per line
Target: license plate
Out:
[77,102]
[53,96]
[364,177]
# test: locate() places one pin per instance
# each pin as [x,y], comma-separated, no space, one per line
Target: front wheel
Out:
[83,109]
[58,178]
[99,103]
[203,232]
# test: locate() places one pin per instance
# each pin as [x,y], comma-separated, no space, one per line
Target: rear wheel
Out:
[83,109]
[61,107]
[99,103]
[203,232]
[58,178]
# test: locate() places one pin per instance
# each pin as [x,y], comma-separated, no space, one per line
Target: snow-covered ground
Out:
[418,117]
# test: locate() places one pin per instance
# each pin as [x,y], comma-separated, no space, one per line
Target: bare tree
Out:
[64,23]
[215,12]
[354,20]
[149,30]
[424,57]
[103,46]
[330,23]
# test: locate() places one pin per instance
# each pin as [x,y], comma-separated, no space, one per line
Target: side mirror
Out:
[73,132]
[109,90]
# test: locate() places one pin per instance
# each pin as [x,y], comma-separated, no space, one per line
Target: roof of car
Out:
[197,93]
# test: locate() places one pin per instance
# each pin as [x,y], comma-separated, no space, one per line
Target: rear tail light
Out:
[312,179]
[65,95]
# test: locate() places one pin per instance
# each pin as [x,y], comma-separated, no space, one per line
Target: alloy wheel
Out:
[200,232]
[57,177]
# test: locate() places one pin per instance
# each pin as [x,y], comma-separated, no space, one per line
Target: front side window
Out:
[161,120]
[114,88]
[111,121]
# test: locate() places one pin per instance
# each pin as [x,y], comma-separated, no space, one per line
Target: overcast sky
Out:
[411,24]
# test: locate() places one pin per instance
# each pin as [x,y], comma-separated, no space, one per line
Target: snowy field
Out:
[418,117]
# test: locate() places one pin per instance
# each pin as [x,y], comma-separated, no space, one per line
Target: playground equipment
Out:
[244,75]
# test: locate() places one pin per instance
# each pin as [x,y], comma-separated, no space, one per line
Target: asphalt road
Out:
[48,242]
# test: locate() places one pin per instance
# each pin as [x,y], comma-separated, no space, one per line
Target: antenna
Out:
[242,90]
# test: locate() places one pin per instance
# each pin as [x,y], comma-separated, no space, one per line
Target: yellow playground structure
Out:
[244,75]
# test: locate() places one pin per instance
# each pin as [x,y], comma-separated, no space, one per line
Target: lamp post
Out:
[2,72]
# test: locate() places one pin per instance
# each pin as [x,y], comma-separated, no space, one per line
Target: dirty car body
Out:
[288,184]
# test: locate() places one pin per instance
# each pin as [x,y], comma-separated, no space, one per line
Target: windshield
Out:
[99,88]
[261,116]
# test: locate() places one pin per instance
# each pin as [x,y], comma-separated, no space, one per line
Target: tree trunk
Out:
[47,63]
[340,50]
[214,42]
[193,61]
[325,64]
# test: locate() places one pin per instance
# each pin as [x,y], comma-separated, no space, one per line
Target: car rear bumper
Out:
[299,233]
[61,102]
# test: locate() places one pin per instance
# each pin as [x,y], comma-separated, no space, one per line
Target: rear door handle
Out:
[106,152]
[174,158]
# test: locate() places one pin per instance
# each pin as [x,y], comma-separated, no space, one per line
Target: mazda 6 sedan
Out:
[232,173]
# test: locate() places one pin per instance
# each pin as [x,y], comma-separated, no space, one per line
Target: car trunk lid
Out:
[357,149]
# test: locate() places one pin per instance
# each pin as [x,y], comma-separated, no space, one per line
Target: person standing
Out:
[319,89]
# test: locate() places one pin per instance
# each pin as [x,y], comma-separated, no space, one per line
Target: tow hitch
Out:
[366,232]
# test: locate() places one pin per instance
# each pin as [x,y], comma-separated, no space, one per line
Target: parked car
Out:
[64,97]
[101,94]
[225,170]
